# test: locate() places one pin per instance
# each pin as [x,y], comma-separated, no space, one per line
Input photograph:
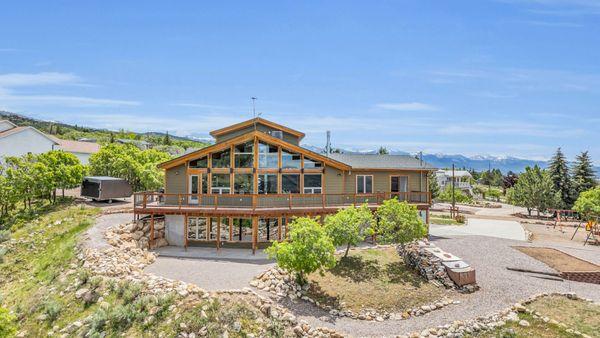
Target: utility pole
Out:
[489,176]
[254,111]
[453,196]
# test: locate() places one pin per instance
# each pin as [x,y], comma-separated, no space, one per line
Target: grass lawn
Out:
[576,314]
[373,279]
[442,219]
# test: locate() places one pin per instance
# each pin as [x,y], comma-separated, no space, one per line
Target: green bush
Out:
[4,235]
[121,317]
[8,326]
[131,292]
[52,310]
[459,196]
[307,250]
[97,322]
[2,253]
[399,222]
[588,203]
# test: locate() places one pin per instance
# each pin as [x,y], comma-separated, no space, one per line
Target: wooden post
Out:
[145,200]
[254,234]
[218,233]
[290,200]
[185,232]
[279,220]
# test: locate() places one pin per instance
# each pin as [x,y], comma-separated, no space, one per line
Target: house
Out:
[244,189]
[462,180]
[18,141]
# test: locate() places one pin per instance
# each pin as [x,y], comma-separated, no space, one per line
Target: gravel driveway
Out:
[94,236]
[500,288]
[482,227]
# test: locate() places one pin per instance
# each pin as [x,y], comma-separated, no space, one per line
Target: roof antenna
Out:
[328,145]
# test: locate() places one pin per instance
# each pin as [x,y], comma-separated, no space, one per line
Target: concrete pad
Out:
[482,227]
[211,253]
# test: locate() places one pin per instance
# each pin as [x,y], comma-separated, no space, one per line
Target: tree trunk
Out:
[63,192]
[529,211]
[347,249]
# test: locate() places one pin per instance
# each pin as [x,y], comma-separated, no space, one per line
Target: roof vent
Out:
[277,134]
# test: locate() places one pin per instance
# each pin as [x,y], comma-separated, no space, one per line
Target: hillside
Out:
[75,132]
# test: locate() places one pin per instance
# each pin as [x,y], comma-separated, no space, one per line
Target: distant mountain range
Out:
[478,162]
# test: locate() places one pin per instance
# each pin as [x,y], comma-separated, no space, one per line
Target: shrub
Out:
[4,235]
[347,226]
[588,203]
[52,310]
[97,322]
[8,327]
[95,282]
[307,250]
[399,222]
[83,275]
[121,317]
[459,196]
[132,291]
[2,253]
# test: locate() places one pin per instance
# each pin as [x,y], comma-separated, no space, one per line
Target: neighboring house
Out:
[143,145]
[244,189]
[83,150]
[462,179]
[18,141]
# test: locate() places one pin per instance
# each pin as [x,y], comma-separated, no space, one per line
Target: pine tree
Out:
[167,139]
[383,151]
[559,173]
[584,177]
[112,138]
[434,187]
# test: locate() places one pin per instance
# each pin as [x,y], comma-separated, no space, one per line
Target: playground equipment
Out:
[593,229]
[564,215]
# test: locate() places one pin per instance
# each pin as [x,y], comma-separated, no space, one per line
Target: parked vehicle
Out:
[103,188]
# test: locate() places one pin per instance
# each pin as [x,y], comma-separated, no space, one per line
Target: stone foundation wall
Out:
[429,266]
[140,232]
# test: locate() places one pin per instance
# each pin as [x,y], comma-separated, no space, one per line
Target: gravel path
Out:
[94,236]
[482,227]
[500,288]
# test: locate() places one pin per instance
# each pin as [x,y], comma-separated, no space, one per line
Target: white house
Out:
[462,179]
[18,141]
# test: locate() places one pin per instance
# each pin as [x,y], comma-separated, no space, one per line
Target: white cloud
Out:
[10,81]
[406,106]
[37,79]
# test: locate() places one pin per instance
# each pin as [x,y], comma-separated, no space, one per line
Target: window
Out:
[312,184]
[199,163]
[244,155]
[268,229]
[205,183]
[399,184]
[267,183]
[221,159]
[290,183]
[290,160]
[364,184]
[197,228]
[242,230]
[220,184]
[310,164]
[194,189]
[243,184]
[268,156]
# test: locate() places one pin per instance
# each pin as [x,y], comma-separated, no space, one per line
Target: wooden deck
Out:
[265,205]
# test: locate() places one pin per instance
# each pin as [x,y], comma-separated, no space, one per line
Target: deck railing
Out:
[149,199]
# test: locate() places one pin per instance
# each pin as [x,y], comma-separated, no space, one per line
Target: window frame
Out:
[299,183]
[313,190]
[364,184]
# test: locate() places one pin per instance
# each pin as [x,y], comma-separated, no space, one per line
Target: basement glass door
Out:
[194,189]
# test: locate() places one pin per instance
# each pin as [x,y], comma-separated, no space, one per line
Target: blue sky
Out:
[516,78]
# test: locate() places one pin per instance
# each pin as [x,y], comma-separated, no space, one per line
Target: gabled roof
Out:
[250,136]
[7,121]
[17,130]
[378,162]
[78,146]
[257,120]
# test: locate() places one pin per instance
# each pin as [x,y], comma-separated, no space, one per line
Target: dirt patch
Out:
[558,260]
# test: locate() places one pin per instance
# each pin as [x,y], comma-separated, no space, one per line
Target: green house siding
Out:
[381,180]
[175,182]
[260,127]
[334,180]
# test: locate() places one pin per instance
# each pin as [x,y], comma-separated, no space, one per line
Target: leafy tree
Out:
[64,168]
[167,139]
[534,190]
[383,151]
[559,174]
[307,250]
[19,174]
[128,162]
[434,187]
[584,177]
[493,177]
[347,226]
[399,222]
[459,195]
[588,203]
